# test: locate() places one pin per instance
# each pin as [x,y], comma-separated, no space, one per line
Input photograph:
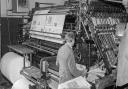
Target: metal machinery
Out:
[94,24]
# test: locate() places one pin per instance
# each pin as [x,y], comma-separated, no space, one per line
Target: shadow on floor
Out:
[4,83]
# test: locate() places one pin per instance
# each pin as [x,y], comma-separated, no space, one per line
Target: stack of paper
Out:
[77,83]
[95,74]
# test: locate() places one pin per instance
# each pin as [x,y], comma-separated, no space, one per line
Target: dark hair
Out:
[69,36]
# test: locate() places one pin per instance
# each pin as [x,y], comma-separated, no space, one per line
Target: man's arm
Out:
[62,55]
[74,71]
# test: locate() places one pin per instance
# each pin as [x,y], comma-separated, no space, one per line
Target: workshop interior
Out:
[32,31]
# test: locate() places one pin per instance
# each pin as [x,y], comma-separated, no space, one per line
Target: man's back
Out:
[67,65]
[64,54]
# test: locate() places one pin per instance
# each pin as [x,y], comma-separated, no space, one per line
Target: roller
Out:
[22,83]
[11,64]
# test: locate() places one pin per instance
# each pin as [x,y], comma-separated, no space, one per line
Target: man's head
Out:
[70,38]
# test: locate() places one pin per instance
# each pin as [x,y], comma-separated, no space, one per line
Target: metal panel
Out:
[9,32]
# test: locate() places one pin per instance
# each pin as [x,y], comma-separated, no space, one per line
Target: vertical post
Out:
[79,15]
[24,61]
[0,29]
[30,59]
[25,58]
[89,55]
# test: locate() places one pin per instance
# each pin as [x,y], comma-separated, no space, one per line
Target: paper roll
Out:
[22,83]
[11,64]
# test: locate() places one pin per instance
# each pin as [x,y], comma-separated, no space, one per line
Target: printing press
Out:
[94,25]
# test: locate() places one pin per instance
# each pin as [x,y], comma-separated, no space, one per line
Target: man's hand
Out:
[85,73]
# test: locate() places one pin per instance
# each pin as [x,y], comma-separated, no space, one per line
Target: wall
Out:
[3,7]
[6,5]
[10,30]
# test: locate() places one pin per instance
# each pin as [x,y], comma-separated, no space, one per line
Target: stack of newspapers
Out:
[76,83]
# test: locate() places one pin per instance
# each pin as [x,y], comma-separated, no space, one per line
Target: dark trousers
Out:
[123,87]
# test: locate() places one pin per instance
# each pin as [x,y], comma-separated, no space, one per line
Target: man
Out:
[66,61]
[122,68]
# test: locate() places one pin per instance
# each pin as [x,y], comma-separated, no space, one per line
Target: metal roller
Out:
[22,83]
